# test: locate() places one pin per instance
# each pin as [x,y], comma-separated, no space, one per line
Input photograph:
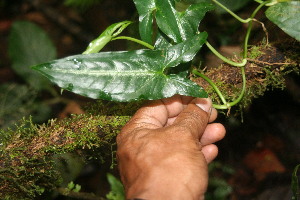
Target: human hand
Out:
[163,151]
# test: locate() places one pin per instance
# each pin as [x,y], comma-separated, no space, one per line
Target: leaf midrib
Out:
[108,72]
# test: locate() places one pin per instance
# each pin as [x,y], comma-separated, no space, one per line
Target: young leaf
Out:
[286,15]
[106,36]
[30,45]
[126,75]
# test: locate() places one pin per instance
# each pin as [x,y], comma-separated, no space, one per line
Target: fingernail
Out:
[204,104]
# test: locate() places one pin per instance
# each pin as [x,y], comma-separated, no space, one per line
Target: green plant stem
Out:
[134,40]
[243,88]
[259,1]
[232,13]
[212,84]
[250,28]
[243,63]
[225,105]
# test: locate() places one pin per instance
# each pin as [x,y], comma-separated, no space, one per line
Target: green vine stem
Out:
[195,72]
[227,105]
[232,13]
[243,88]
[243,63]
[259,1]
[134,40]
[250,27]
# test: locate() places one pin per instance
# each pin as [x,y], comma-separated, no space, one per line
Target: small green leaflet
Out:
[286,15]
[127,75]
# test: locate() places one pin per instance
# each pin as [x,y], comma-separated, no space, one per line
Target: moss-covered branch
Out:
[28,154]
[266,69]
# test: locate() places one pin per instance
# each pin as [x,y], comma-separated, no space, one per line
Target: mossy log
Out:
[28,154]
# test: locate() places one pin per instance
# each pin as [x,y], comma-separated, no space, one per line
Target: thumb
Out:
[194,118]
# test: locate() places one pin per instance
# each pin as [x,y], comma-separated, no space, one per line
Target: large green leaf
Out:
[127,75]
[286,15]
[162,41]
[30,45]
[176,25]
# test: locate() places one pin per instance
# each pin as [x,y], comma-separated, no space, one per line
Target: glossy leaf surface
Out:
[178,26]
[286,15]
[127,75]
[145,10]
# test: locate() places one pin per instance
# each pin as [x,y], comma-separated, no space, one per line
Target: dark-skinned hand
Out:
[164,150]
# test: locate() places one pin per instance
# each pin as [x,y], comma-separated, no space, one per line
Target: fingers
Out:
[176,104]
[213,133]
[193,119]
[210,152]
[158,113]
[213,115]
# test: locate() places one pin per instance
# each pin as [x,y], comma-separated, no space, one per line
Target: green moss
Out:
[28,167]
[255,52]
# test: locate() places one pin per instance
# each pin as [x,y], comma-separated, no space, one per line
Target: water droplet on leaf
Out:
[77,63]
